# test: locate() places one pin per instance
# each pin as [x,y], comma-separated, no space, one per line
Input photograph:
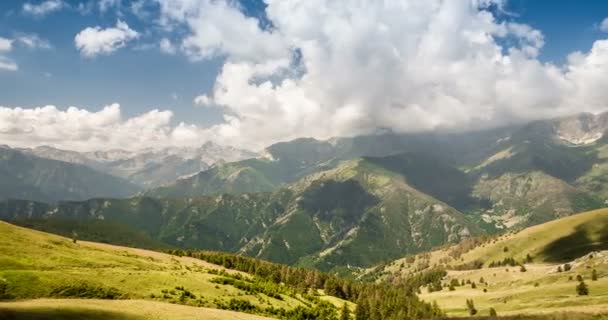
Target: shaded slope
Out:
[29,177]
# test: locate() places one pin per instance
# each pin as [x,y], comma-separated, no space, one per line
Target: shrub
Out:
[567,267]
[4,290]
[522,268]
[579,278]
[594,275]
[582,289]
[471,307]
[84,290]
[493,313]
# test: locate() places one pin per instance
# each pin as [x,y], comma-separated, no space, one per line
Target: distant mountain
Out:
[147,168]
[24,176]
[356,214]
[502,178]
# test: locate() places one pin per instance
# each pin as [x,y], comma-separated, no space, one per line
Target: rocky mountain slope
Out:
[356,214]
[147,168]
[25,176]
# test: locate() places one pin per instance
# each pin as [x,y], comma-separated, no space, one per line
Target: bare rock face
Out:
[581,129]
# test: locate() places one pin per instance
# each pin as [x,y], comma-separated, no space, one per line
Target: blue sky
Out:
[347,99]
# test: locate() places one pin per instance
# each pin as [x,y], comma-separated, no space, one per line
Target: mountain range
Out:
[347,202]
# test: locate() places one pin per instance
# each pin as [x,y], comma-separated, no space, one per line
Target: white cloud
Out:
[5,44]
[105,5]
[6,64]
[83,130]
[43,8]
[604,25]
[219,28]
[333,68]
[33,41]
[167,47]
[94,41]
[203,101]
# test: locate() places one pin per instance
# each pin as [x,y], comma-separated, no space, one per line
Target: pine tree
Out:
[522,268]
[493,313]
[594,275]
[345,315]
[582,289]
[362,310]
[471,307]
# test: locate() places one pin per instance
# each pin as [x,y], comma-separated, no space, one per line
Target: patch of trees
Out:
[509,261]
[270,289]
[83,290]
[473,265]
[395,300]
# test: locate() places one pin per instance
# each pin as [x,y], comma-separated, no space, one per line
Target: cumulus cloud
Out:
[333,68]
[43,8]
[83,130]
[94,41]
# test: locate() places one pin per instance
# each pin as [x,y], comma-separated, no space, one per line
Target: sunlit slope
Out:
[552,242]
[93,309]
[38,265]
[533,271]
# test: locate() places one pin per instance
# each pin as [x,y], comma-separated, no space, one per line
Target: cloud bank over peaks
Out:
[333,68]
[83,130]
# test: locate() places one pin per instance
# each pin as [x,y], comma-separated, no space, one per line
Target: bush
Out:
[471,307]
[594,275]
[4,290]
[582,289]
[84,290]
[493,313]
[522,268]
[567,267]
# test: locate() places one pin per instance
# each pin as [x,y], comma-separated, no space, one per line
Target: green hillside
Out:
[357,214]
[29,177]
[553,255]
[36,265]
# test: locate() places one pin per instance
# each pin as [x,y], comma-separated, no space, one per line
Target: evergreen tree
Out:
[493,313]
[582,289]
[522,268]
[471,307]
[345,315]
[579,278]
[594,275]
[362,310]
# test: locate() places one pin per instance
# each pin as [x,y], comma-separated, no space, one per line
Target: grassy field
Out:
[36,265]
[579,240]
[93,309]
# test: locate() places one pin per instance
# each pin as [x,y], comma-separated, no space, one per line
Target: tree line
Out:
[375,301]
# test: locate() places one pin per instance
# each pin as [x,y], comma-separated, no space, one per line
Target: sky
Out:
[89,75]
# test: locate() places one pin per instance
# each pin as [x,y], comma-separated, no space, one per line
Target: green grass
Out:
[36,265]
[73,309]
[577,240]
